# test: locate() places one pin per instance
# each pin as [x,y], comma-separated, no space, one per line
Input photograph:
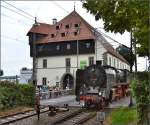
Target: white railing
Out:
[53,94]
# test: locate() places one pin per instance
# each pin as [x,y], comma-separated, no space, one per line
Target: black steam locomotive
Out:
[96,84]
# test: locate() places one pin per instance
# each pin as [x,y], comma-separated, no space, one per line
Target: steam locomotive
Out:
[98,85]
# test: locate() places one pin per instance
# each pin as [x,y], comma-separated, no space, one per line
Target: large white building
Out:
[67,45]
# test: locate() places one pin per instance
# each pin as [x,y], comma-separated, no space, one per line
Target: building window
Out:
[87,45]
[57,27]
[114,62]
[44,63]
[110,61]
[68,64]
[52,35]
[58,47]
[40,48]
[75,33]
[67,26]
[62,34]
[117,63]
[76,25]
[44,80]
[68,46]
[91,61]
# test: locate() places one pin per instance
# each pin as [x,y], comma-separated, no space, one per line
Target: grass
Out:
[14,110]
[122,116]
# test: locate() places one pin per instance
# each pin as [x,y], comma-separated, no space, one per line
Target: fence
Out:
[53,94]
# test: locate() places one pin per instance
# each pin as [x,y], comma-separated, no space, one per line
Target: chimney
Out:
[54,21]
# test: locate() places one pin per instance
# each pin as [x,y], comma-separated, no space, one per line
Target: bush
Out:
[141,92]
[16,94]
[141,76]
[27,94]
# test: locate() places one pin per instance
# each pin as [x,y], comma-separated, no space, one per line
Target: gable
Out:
[72,27]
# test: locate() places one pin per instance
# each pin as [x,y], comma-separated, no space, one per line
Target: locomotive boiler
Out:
[95,84]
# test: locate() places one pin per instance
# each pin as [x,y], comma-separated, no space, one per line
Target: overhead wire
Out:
[17,20]
[54,2]
[110,37]
[16,12]
[21,10]
[15,39]
[18,9]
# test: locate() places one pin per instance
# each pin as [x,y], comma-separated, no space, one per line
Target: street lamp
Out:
[34,55]
[131,55]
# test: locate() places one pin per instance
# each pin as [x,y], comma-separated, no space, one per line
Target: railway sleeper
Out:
[81,118]
[67,116]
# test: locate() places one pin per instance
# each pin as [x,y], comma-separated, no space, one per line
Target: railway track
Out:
[66,116]
[19,116]
[79,119]
[27,116]
[75,118]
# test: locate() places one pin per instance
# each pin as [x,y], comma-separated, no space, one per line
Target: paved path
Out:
[70,99]
[60,101]
[124,102]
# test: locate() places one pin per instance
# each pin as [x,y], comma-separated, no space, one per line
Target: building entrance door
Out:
[68,81]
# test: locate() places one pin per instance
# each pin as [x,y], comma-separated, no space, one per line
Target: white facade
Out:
[25,76]
[56,68]
[56,65]
[99,50]
[116,62]
[111,60]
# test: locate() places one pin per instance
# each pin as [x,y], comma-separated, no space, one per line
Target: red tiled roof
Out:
[42,28]
[72,19]
[85,32]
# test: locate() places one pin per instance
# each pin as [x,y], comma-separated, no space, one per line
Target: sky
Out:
[15,51]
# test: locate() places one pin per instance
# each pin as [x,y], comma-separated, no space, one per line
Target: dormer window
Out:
[63,34]
[67,26]
[75,33]
[57,27]
[52,35]
[76,25]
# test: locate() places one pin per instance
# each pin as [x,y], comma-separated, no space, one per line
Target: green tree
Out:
[124,15]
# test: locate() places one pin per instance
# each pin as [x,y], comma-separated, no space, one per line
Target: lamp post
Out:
[34,74]
[34,80]
[131,55]
[38,102]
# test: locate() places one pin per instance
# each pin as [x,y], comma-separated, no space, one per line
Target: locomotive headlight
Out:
[100,93]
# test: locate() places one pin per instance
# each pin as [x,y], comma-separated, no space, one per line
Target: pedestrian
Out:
[100,117]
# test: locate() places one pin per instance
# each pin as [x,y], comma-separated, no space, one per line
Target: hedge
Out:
[141,92]
[16,95]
